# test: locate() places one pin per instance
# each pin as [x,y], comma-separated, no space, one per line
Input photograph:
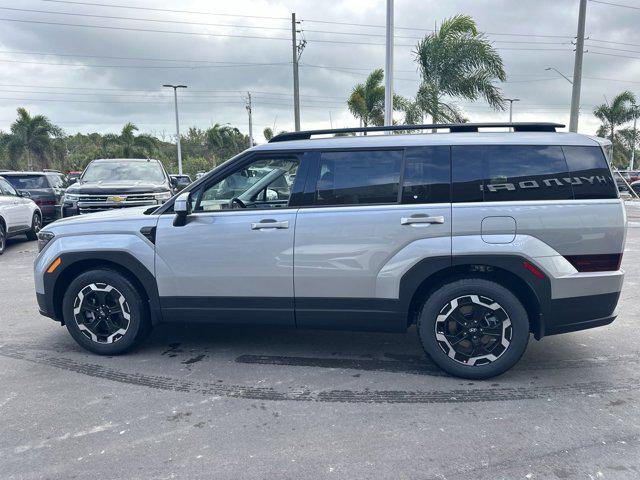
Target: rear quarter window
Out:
[590,173]
[494,173]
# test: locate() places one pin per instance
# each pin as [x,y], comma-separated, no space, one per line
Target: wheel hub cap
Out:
[473,330]
[101,313]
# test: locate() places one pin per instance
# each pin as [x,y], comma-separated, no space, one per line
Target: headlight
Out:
[70,197]
[44,238]
[163,197]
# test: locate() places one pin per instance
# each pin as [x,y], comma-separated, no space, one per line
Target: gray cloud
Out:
[544,95]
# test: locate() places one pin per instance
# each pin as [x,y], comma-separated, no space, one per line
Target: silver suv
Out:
[479,238]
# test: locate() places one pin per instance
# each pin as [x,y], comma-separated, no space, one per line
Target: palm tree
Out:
[31,136]
[366,101]
[226,140]
[457,61]
[129,145]
[619,111]
[269,134]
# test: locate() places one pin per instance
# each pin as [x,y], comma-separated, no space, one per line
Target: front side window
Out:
[56,180]
[264,183]
[427,175]
[358,177]
[494,173]
[6,188]
[149,171]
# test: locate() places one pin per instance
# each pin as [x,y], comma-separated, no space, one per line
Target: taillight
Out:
[595,263]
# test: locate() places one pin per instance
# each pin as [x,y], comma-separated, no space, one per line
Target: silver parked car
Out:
[478,238]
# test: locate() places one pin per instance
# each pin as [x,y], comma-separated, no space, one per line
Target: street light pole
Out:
[388,68]
[511,100]
[175,101]
[560,73]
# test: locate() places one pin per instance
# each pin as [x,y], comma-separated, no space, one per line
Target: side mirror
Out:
[72,181]
[173,181]
[182,209]
[24,193]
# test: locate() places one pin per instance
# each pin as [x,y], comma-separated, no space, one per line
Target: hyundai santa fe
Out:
[480,238]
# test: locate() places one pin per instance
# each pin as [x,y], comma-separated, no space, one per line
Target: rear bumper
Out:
[579,313]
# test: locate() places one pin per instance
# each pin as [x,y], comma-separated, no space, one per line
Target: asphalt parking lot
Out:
[206,402]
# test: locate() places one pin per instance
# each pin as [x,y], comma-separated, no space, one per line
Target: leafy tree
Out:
[366,101]
[619,111]
[459,62]
[31,136]
[129,145]
[269,134]
[226,141]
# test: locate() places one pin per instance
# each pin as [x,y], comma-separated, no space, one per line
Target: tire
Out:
[474,328]
[3,239]
[36,225]
[95,309]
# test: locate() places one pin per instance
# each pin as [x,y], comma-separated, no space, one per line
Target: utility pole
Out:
[388,68]
[248,107]
[577,69]
[175,101]
[633,144]
[511,100]
[297,49]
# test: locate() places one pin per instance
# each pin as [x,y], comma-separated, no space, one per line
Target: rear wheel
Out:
[36,225]
[3,239]
[474,328]
[104,312]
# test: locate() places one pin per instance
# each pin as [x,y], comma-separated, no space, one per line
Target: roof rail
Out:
[452,127]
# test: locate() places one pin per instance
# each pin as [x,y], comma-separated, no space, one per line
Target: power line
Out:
[145,66]
[138,19]
[615,4]
[130,7]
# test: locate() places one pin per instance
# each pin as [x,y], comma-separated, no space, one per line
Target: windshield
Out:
[27,182]
[124,171]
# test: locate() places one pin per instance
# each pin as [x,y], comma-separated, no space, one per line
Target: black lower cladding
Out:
[327,313]
[579,313]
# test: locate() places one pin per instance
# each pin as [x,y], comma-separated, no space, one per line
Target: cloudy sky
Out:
[94,65]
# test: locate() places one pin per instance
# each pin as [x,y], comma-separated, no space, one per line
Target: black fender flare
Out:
[75,262]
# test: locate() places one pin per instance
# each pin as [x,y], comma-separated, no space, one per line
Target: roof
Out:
[125,160]
[22,174]
[427,139]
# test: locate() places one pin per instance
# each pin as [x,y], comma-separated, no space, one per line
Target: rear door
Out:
[360,231]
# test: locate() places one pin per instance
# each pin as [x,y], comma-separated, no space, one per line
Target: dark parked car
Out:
[118,183]
[181,181]
[46,189]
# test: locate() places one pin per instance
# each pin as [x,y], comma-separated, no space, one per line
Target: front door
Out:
[16,209]
[232,262]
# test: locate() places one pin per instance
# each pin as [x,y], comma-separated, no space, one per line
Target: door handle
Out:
[439,219]
[269,223]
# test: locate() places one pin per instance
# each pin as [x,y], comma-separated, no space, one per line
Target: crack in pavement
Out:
[166,383]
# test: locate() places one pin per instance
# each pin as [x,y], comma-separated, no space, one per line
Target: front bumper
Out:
[45,308]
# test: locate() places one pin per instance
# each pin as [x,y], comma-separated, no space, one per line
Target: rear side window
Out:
[56,180]
[494,173]
[427,175]
[358,177]
[28,182]
[590,174]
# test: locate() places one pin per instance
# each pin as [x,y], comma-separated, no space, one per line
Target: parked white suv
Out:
[478,238]
[18,214]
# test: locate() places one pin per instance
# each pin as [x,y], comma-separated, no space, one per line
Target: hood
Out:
[108,188]
[106,215]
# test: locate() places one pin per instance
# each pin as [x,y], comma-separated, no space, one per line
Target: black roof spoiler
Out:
[452,127]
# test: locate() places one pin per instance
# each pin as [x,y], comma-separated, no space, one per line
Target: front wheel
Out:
[104,312]
[36,225]
[474,328]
